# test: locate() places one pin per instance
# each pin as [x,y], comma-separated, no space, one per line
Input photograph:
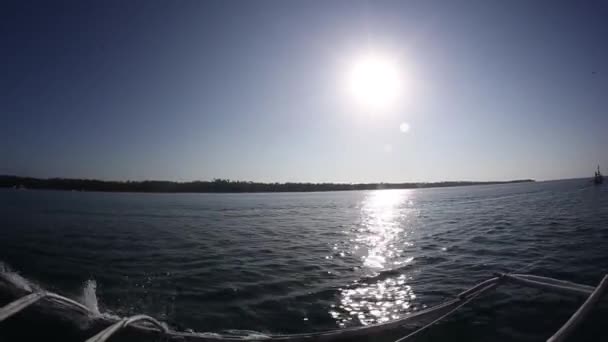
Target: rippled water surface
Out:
[301,262]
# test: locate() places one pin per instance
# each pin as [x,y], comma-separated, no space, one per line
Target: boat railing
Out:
[579,316]
[435,313]
[105,334]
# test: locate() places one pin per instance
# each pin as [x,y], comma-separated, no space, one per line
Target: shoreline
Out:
[219,185]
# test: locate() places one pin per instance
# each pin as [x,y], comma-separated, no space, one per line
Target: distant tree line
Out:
[217,185]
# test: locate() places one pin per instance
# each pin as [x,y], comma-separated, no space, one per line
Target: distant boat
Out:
[598,179]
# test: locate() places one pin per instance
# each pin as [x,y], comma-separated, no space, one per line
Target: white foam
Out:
[89,296]
[15,278]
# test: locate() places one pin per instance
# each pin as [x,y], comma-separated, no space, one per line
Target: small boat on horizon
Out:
[598,178]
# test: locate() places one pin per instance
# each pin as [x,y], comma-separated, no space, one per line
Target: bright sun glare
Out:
[374,82]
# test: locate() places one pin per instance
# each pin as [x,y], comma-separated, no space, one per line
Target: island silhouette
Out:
[216,185]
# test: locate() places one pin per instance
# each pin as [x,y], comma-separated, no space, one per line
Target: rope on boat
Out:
[465,302]
[552,284]
[583,288]
[490,281]
[22,303]
[62,299]
[106,333]
[14,307]
[537,282]
[581,313]
[354,332]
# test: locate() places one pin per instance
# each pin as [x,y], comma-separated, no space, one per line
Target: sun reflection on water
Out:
[381,217]
[379,241]
[382,301]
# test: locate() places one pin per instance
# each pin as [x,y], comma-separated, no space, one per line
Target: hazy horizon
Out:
[301,182]
[447,179]
[271,91]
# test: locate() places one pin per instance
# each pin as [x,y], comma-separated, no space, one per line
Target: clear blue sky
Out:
[253,90]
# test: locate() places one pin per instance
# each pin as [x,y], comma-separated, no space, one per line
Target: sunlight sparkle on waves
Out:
[379,241]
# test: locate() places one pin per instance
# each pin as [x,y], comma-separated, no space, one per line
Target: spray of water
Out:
[14,278]
[89,297]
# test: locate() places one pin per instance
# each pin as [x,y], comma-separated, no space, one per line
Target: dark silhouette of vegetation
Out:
[217,185]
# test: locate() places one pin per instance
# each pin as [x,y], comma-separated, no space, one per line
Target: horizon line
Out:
[275,182]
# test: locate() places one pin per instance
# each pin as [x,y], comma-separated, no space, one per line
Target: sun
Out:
[374,81]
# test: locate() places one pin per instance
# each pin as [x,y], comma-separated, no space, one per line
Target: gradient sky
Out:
[254,90]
